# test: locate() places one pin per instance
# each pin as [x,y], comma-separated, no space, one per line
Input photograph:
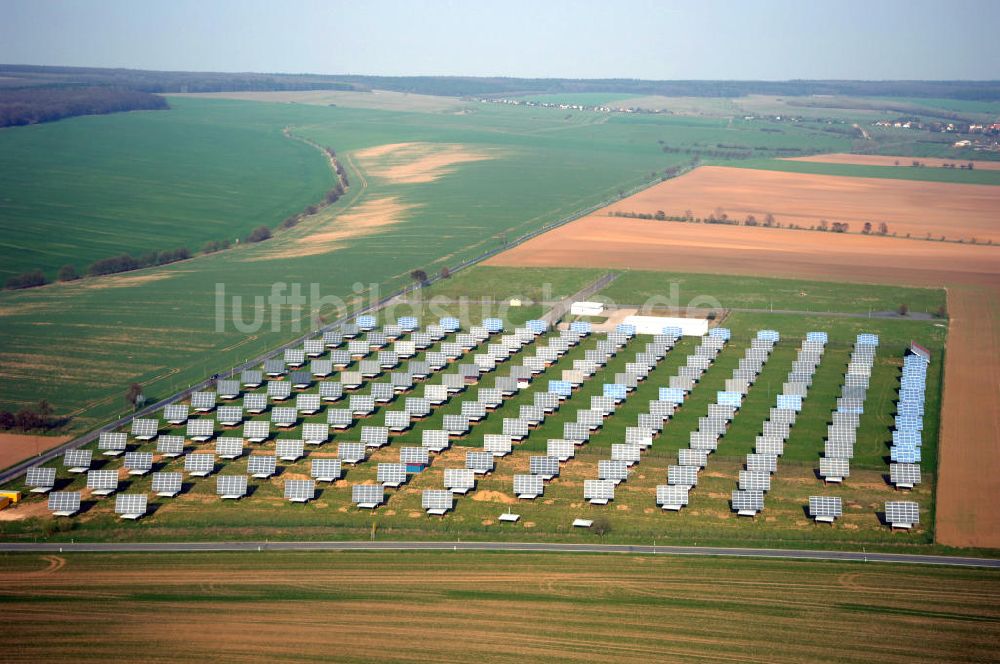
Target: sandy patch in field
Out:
[121,281]
[413,163]
[882,160]
[493,497]
[333,233]
[15,447]
[953,210]
[25,510]
[969,472]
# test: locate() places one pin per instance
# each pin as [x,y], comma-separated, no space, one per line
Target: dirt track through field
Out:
[956,211]
[970,435]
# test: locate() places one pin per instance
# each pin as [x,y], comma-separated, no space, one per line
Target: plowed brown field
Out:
[970,437]
[957,211]
[15,447]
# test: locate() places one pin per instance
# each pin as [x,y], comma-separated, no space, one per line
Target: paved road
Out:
[786,554]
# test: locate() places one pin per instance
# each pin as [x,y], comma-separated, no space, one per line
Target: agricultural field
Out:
[969,273]
[433,208]
[634,517]
[904,172]
[433,607]
[100,186]
[656,290]
[378,100]
[911,209]
[892,160]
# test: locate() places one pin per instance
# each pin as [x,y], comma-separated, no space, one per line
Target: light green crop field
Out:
[633,516]
[672,289]
[498,607]
[158,327]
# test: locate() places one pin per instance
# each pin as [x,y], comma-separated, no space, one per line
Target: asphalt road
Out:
[786,554]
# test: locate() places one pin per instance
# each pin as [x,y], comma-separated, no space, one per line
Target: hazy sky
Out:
[669,39]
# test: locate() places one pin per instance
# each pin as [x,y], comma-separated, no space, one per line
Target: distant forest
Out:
[31,93]
[26,106]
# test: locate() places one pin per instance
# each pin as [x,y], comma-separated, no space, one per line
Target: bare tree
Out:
[133,394]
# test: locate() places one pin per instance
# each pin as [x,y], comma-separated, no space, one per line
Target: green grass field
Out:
[634,516]
[436,607]
[94,187]
[158,327]
[672,289]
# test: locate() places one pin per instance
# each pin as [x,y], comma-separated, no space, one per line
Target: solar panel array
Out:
[300,491]
[104,481]
[166,484]
[77,459]
[902,513]
[672,496]
[289,449]
[756,477]
[40,478]
[325,470]
[907,436]
[826,507]
[231,486]
[841,435]
[528,486]
[199,463]
[131,505]
[260,465]
[598,490]
[64,502]
[391,474]
[437,500]
[138,463]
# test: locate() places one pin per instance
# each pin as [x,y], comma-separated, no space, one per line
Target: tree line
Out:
[30,418]
[26,106]
[102,267]
[719,216]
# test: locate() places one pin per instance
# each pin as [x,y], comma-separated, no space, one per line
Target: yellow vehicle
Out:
[13,496]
